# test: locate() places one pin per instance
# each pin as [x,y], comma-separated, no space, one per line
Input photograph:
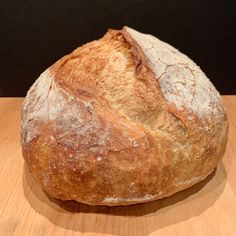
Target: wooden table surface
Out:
[208,208]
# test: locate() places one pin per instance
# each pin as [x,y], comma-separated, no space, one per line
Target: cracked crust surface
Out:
[122,120]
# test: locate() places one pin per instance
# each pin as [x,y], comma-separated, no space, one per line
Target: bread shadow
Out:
[113,220]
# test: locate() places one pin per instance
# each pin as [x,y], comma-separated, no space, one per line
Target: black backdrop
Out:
[35,33]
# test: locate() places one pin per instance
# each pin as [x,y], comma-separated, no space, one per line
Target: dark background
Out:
[34,34]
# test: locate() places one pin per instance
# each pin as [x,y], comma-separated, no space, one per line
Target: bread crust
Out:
[122,120]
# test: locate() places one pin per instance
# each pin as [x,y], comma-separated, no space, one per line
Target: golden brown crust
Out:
[99,125]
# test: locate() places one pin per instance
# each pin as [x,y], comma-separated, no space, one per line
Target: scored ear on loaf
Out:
[122,120]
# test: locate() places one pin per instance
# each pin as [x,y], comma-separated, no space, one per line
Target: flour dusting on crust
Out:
[34,106]
[47,102]
[182,82]
[147,197]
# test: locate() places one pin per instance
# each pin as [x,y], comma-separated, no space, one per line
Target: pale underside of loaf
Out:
[122,120]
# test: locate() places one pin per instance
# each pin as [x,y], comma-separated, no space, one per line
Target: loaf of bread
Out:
[122,120]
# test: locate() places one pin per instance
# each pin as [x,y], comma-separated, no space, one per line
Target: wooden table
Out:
[208,208]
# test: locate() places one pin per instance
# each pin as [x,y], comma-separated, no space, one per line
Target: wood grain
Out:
[208,208]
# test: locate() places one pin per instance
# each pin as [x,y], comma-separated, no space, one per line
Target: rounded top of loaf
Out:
[124,106]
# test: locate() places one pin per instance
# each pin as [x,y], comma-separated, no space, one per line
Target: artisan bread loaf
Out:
[122,120]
